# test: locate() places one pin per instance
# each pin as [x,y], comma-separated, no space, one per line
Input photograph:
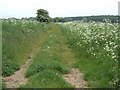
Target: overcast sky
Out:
[58,8]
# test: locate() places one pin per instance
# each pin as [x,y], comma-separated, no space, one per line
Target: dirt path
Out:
[74,77]
[19,78]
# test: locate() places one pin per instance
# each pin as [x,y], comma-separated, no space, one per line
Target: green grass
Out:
[18,39]
[46,78]
[96,71]
[48,65]
[44,61]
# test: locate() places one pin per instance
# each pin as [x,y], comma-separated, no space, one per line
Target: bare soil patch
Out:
[18,78]
[75,78]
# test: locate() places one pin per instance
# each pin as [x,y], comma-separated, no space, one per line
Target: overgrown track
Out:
[52,46]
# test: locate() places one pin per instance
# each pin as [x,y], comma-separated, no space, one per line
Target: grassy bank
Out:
[95,48]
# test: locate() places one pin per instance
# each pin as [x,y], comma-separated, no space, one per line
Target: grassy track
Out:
[61,51]
[53,60]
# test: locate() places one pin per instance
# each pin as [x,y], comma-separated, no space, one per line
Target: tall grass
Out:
[95,46]
[18,38]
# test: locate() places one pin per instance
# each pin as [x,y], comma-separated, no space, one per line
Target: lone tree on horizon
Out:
[43,15]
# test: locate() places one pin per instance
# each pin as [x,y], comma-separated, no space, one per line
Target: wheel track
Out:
[75,77]
[19,77]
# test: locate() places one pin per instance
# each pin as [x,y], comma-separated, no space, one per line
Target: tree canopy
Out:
[43,15]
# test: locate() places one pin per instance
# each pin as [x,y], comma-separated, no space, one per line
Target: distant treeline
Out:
[101,18]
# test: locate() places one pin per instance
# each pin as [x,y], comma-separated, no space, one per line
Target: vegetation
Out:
[18,38]
[43,15]
[95,45]
[58,19]
[101,18]
[47,66]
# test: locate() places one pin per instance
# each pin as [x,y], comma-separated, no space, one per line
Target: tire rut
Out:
[75,78]
[19,77]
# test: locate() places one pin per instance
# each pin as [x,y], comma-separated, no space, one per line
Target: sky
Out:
[58,8]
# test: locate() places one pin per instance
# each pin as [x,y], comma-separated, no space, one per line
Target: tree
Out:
[43,16]
[58,19]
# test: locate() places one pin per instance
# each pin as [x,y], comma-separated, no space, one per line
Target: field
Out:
[57,48]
